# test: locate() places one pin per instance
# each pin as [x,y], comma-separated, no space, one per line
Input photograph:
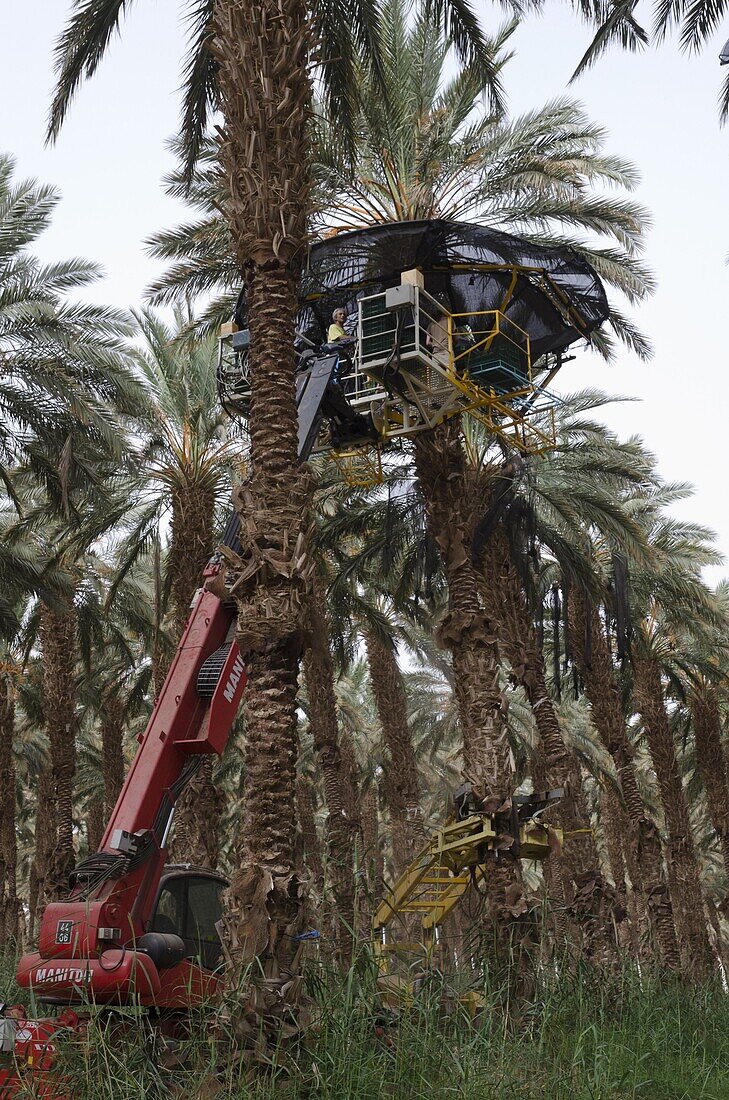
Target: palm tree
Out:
[183,462]
[707,727]
[254,64]
[63,363]
[667,596]
[432,154]
[641,849]
[548,505]
[324,725]
[181,477]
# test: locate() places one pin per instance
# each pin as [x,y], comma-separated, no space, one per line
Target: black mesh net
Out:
[551,293]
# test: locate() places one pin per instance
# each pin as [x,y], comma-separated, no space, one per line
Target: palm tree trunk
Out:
[45,839]
[319,676]
[306,811]
[263,52]
[574,872]
[688,903]
[191,544]
[641,843]
[465,630]
[706,723]
[371,858]
[58,647]
[8,841]
[95,819]
[631,917]
[409,834]
[112,747]
[197,814]
[197,820]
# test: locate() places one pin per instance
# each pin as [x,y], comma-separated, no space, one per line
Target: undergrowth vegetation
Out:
[580,1039]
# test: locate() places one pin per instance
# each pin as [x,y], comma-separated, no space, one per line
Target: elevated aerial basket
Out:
[417,364]
[442,318]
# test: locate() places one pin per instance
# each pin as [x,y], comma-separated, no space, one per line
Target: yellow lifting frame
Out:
[455,857]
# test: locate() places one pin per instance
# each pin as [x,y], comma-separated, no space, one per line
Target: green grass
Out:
[579,1039]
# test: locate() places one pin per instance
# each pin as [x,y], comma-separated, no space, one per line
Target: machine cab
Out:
[189,905]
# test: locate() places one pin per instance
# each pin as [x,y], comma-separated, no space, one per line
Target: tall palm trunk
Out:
[466,631]
[574,872]
[374,869]
[8,841]
[319,675]
[406,818]
[58,647]
[684,881]
[95,820]
[706,723]
[197,815]
[112,747]
[641,845]
[45,838]
[191,544]
[306,812]
[263,53]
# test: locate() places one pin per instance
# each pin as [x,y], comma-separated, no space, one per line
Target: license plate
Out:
[64,929]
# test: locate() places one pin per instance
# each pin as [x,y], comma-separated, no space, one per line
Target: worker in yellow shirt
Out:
[336,329]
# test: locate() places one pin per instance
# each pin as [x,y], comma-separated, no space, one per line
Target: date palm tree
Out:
[254,63]
[667,597]
[181,479]
[63,362]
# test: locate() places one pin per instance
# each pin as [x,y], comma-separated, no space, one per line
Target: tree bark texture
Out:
[271,581]
[197,814]
[9,908]
[306,810]
[319,676]
[58,648]
[683,868]
[711,762]
[641,844]
[112,747]
[465,630]
[45,838]
[95,822]
[408,831]
[573,872]
[263,52]
[372,858]
[197,820]
[191,544]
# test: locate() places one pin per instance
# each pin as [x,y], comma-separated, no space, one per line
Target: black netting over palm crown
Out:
[551,293]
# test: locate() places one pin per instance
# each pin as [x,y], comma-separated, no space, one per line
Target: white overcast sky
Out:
[659,108]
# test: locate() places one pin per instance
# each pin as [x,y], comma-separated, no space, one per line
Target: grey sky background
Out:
[659,108]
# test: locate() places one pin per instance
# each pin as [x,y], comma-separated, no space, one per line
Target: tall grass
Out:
[579,1039]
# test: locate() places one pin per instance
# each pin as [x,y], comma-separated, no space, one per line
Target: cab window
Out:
[204,910]
[170,913]
[190,908]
